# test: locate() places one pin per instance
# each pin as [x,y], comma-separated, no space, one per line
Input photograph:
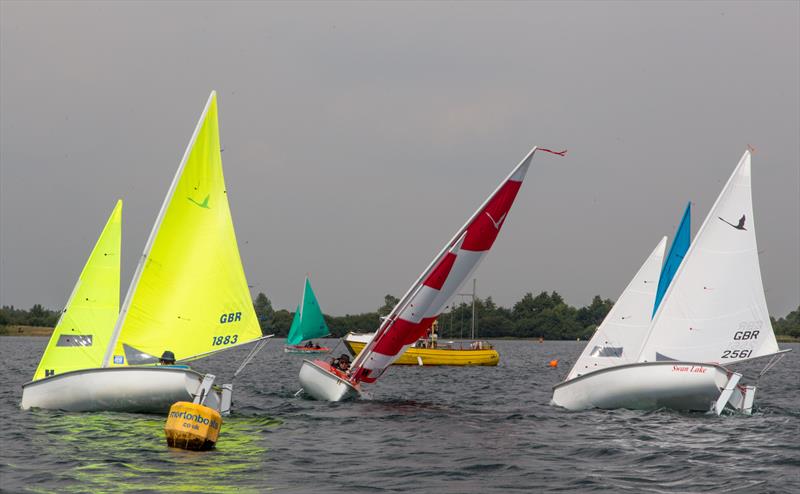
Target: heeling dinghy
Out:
[189,295]
[423,302]
[713,316]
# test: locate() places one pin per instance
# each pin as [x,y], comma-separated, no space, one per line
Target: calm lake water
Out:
[442,430]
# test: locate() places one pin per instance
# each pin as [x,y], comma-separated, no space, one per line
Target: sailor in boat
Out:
[342,363]
[167,358]
[309,344]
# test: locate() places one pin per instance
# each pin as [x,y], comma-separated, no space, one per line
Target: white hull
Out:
[323,385]
[646,386]
[119,389]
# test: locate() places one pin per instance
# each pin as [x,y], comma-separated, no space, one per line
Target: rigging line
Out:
[772,363]
[330,352]
[250,356]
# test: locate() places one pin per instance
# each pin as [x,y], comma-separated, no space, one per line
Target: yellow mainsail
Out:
[189,294]
[84,330]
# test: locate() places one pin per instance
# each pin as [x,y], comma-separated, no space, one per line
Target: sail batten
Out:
[85,325]
[189,294]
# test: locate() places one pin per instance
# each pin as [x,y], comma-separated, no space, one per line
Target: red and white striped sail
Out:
[441,280]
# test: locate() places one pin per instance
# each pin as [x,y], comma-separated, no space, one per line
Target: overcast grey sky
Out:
[359,136]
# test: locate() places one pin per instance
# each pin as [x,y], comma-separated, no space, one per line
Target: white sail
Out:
[715,310]
[619,337]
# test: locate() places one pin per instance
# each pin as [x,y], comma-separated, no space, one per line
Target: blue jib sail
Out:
[680,244]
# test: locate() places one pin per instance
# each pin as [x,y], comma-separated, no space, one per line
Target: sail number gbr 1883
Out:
[228,339]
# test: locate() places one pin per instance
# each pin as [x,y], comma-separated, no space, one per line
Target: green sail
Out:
[308,321]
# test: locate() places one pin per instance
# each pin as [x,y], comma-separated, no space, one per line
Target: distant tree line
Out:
[789,325]
[545,315]
[35,316]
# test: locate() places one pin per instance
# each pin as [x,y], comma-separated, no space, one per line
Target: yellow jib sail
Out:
[189,294]
[84,329]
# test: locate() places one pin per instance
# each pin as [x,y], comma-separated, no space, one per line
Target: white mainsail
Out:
[715,309]
[619,337]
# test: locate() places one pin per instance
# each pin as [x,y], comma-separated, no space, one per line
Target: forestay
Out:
[440,281]
[618,338]
[714,310]
[308,321]
[677,251]
[189,293]
[83,331]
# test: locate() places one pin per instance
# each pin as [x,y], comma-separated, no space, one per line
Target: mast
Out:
[474,282]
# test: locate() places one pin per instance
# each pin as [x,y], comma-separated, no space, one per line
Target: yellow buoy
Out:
[192,426]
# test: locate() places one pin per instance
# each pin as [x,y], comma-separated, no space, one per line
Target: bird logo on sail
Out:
[740,226]
[497,224]
[203,204]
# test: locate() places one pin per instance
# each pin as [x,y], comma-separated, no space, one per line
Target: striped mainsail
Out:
[441,280]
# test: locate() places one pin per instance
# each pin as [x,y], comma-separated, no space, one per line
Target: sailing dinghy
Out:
[308,323]
[416,311]
[189,295]
[713,315]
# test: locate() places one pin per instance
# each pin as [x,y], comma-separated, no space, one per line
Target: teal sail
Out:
[680,244]
[308,321]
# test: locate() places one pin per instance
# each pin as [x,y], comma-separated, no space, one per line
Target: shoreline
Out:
[17,330]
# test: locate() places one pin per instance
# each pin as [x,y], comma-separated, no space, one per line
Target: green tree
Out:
[389,302]
[789,325]
[264,312]
[39,316]
[594,313]
[281,322]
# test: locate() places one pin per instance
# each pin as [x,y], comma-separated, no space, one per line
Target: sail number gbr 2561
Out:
[748,330]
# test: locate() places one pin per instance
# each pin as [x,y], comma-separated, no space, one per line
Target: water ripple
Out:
[440,430]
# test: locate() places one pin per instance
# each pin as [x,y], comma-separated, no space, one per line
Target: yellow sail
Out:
[189,294]
[84,329]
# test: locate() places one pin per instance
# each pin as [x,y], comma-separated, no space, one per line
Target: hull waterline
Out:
[119,389]
[322,383]
[689,386]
